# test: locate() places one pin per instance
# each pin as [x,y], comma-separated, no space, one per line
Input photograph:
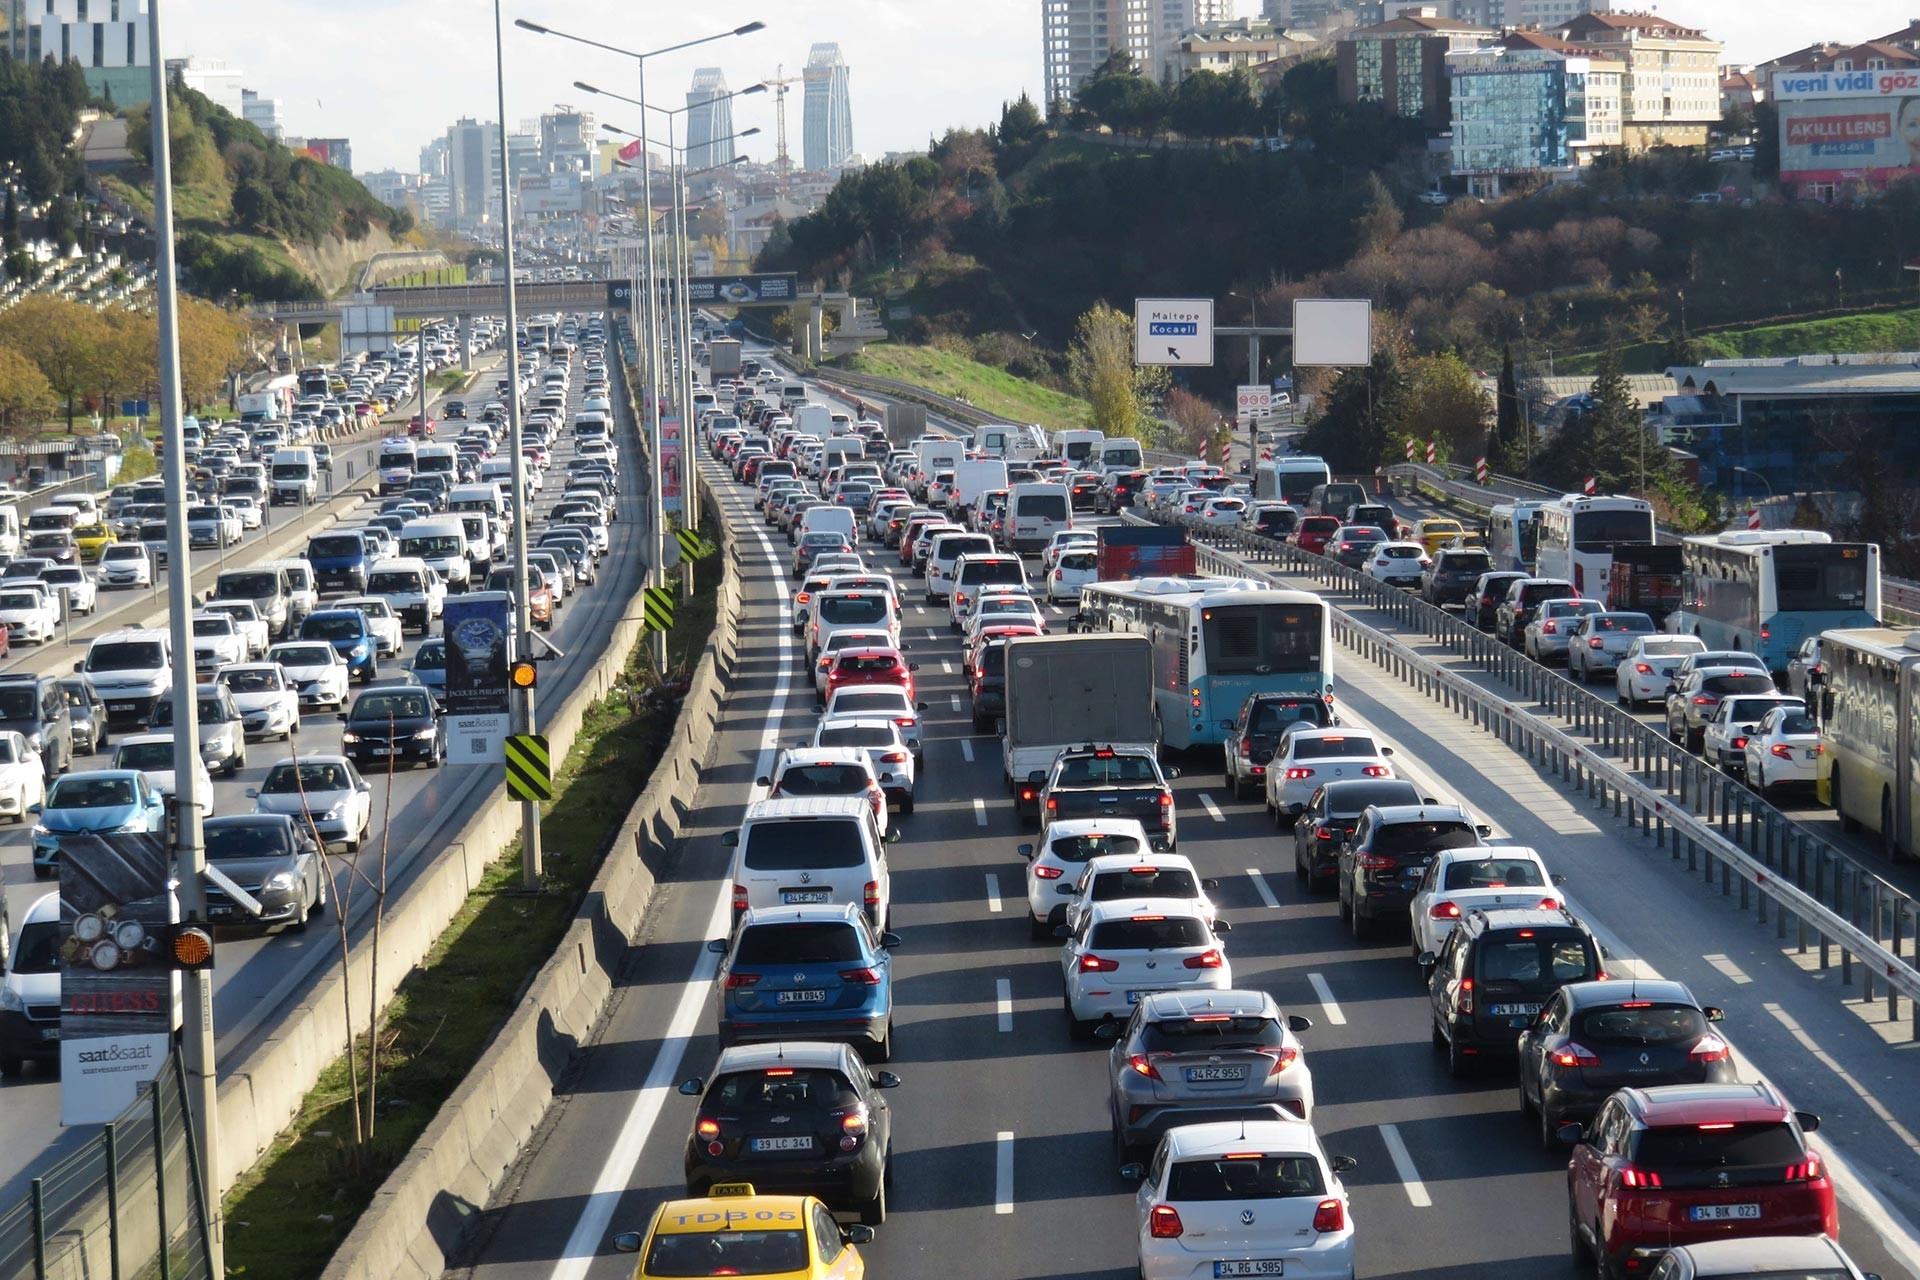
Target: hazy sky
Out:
[390,77]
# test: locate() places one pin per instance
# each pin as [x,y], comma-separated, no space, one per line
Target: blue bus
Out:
[1216,640]
[1765,591]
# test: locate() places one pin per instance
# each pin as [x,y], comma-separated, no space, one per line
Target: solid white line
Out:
[980,811]
[1003,997]
[1261,887]
[1327,1003]
[1003,1173]
[993,892]
[966,749]
[1403,1165]
[1213,810]
[956,702]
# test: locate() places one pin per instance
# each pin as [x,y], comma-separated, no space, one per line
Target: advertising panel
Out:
[670,464]
[743,290]
[1848,126]
[478,627]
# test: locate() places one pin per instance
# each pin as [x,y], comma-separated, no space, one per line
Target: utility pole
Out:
[189,853]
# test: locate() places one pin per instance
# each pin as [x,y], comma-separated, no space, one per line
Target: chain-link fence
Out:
[126,1206]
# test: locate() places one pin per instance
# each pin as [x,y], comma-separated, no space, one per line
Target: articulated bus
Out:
[1767,590]
[1513,535]
[1216,640]
[1578,534]
[1869,704]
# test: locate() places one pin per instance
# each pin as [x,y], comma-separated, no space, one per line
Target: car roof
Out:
[1235,1135]
[787,1053]
[695,1215]
[1143,857]
[1392,813]
[1095,827]
[1163,1005]
[1617,990]
[819,912]
[1488,918]
[1787,1255]
[807,807]
[1682,1104]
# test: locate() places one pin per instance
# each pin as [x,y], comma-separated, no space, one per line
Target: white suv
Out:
[1123,949]
[806,851]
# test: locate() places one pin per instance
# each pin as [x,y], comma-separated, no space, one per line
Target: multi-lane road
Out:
[1002,1159]
[258,979]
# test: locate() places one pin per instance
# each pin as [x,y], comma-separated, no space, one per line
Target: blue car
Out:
[96,800]
[807,973]
[429,667]
[340,561]
[348,631]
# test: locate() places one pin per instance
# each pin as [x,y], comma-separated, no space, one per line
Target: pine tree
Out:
[1506,445]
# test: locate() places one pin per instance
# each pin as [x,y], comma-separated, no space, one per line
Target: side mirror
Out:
[1061,931]
[1067,890]
[1229,726]
[1133,1172]
[889,940]
[1386,751]
[1296,809]
[919,706]
[81,665]
[717,945]
[1571,1133]
[1107,1031]
[1431,800]
[1000,725]
[1483,829]
[1715,1014]
[885,1080]
[627,1242]
[913,666]
[1221,926]
[1037,778]
[731,839]
[1426,960]
[1557,878]
[1209,883]
[253,793]
[1024,850]
[1299,1022]
[1808,1121]
[893,836]
[858,1233]
[763,781]
[363,786]
[1343,1164]
[691,1087]
[33,808]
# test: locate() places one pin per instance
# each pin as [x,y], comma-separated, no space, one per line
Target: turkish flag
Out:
[631,150]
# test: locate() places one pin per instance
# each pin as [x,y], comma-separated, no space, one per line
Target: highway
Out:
[259,978]
[1003,1164]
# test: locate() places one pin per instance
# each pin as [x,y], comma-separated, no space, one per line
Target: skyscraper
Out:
[473,170]
[709,119]
[827,135]
[1078,35]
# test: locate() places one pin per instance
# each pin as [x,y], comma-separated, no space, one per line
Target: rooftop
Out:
[1891,373]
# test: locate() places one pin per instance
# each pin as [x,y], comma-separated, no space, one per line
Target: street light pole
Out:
[189,851]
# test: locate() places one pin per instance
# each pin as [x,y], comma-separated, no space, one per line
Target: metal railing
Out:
[125,1205]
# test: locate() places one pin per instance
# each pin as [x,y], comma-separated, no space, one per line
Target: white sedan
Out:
[1647,669]
[1053,867]
[247,507]
[247,621]
[324,791]
[1398,564]
[316,670]
[152,755]
[268,703]
[1783,750]
[23,778]
[1073,570]
[1223,513]
[1126,947]
[1308,759]
[996,611]
[29,616]
[1461,880]
[381,620]
[71,581]
[1062,541]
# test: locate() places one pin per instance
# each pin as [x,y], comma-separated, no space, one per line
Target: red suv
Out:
[1685,1163]
[870,666]
[1314,533]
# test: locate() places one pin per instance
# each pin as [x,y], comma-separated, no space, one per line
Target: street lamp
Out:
[656,532]
[1748,471]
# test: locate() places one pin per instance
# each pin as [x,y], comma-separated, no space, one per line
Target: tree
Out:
[10,223]
[25,396]
[1602,438]
[1194,420]
[1380,224]
[212,341]
[63,338]
[1100,364]
[1117,95]
[1444,403]
[1355,432]
[1506,447]
[1020,123]
[127,357]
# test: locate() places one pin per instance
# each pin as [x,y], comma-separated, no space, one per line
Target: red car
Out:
[419,426]
[870,666]
[1685,1163]
[1314,533]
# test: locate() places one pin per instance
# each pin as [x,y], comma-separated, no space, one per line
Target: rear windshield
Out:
[1534,592]
[1548,958]
[1149,933]
[1275,1177]
[954,548]
[870,702]
[1748,710]
[1145,882]
[727,1253]
[979,572]
[1100,771]
[802,942]
[1403,553]
[794,845]
[1674,647]
[1799,722]
[1622,622]
[1210,1032]
[856,735]
[1050,506]
[780,1089]
[1689,1147]
[1467,562]
[854,609]
[823,780]
[1092,845]
[1422,837]
[1641,1023]
[1335,748]
[1319,524]
[1494,873]
[1351,798]
[1272,717]
[1736,684]
[19,703]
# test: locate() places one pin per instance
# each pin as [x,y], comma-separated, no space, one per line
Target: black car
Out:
[1275,520]
[435,499]
[1592,1038]
[398,722]
[454,409]
[1382,861]
[1456,573]
[36,706]
[987,680]
[1119,490]
[798,1117]
[1354,543]
[1330,817]
[1253,734]
[1523,600]
[1496,971]
[1482,605]
[276,861]
[87,715]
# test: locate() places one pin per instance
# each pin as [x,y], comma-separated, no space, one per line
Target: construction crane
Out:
[782,163]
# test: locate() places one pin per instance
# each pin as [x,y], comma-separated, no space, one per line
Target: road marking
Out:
[1003,1000]
[1403,1165]
[966,749]
[931,633]
[1260,886]
[1733,972]
[1213,810]
[946,667]
[1327,1002]
[993,892]
[1826,1060]
[980,811]
[956,702]
[1003,1173]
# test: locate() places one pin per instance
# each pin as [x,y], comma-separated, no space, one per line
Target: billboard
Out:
[670,499]
[1848,126]
[478,627]
[743,290]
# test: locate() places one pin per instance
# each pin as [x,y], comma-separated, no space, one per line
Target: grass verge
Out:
[289,1213]
[1895,330]
[988,389]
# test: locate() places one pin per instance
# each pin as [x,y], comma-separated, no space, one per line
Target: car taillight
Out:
[1330,1216]
[865,977]
[1709,1048]
[1383,563]
[707,1127]
[1785,752]
[1811,1170]
[1346,546]
[1377,771]
[894,757]
[1575,1055]
[1096,964]
[735,981]
[1739,744]
[1596,643]
[1166,808]
[873,893]
[1164,1223]
[801,597]
[1703,702]
[1026,793]
[1639,1179]
[1643,668]
[1323,833]
[1466,996]
[1297,772]
[1444,911]
[1374,861]
[1143,1063]
[1550,904]
[1283,1057]
[739,897]
[1047,873]
[1208,959]
[1549,628]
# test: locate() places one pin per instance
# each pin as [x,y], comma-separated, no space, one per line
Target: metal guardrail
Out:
[1841,899]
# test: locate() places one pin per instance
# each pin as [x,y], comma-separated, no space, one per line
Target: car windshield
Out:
[856,735]
[1105,770]
[285,779]
[126,655]
[19,703]
[1640,1022]
[19,600]
[437,547]
[342,545]
[1799,722]
[1467,562]
[432,654]
[145,756]
[1338,747]
[1211,1033]
[781,1090]
[302,655]
[246,586]
[1145,882]
[1083,848]
[1724,685]
[82,792]
[333,626]
[1494,873]
[794,845]
[1671,647]
[252,680]
[1270,1177]
[395,706]
[727,1253]
[799,942]
[209,711]
[1270,717]
[1402,552]
[399,582]
[872,702]
[1148,933]
[37,950]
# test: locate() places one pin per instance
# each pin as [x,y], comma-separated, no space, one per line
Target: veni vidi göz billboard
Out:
[1848,126]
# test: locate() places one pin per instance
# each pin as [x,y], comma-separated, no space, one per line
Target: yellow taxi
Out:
[1434,534]
[93,540]
[736,1231]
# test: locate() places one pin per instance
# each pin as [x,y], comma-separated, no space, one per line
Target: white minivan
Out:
[30,984]
[294,474]
[816,850]
[1035,512]
[828,519]
[441,541]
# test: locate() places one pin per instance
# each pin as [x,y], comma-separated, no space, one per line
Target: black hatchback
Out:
[1330,817]
[1382,862]
[398,722]
[1495,973]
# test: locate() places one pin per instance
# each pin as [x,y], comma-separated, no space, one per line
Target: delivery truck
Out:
[723,358]
[1067,691]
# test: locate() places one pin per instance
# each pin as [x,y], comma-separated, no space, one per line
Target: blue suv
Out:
[340,561]
[807,973]
[351,637]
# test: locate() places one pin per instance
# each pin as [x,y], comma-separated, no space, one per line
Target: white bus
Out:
[1291,479]
[1578,534]
[1075,446]
[1869,703]
[1010,443]
[1216,640]
[1767,590]
[1513,535]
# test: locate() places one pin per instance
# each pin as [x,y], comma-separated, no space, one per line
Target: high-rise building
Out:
[1531,104]
[1176,18]
[212,77]
[827,125]
[473,171]
[263,113]
[709,119]
[108,38]
[1078,35]
[1402,65]
[433,159]
[1670,92]
[566,141]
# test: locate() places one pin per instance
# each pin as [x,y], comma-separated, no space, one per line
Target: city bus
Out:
[1767,590]
[1291,479]
[1513,535]
[1577,535]
[1869,705]
[1216,640]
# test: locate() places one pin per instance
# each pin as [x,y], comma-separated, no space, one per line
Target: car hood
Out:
[254,871]
[262,700]
[290,801]
[105,819]
[304,674]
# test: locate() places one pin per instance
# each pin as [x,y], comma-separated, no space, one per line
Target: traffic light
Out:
[189,946]
[524,674]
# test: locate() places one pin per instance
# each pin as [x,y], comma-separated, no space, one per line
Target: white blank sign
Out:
[1332,332]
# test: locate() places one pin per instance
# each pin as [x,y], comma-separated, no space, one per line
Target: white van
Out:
[829,519]
[58,518]
[437,459]
[484,496]
[973,478]
[30,978]
[441,541]
[1077,446]
[411,586]
[1035,512]
[841,450]
[946,553]
[483,540]
[1119,454]
[824,849]
[9,531]
[396,465]
[295,475]
[813,420]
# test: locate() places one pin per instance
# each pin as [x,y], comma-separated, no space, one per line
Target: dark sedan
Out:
[275,861]
[401,723]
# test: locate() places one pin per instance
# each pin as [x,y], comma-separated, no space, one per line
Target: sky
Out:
[391,77]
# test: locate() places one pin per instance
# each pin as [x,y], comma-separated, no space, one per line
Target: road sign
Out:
[1409,449]
[692,545]
[529,767]
[1332,332]
[1591,487]
[1753,517]
[658,608]
[1253,403]
[1173,331]
[620,295]
[1480,472]
[1206,451]
[1433,452]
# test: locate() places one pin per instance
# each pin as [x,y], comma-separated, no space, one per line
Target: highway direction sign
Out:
[1173,331]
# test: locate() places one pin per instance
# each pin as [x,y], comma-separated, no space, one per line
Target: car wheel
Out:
[1078,1031]
[1039,931]
[1549,1130]
[881,1050]
[11,1065]
[320,898]
[299,923]
[1357,924]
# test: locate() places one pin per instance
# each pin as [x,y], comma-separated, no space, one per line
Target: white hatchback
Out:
[1053,867]
[1308,759]
[1129,947]
[1648,666]
[1461,880]
[1783,750]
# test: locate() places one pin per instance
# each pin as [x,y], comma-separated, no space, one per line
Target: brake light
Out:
[1209,959]
[1026,793]
[1596,643]
[1383,563]
[865,977]
[1444,911]
[1296,773]
[1466,996]
[1283,1057]
[1709,1048]
[1097,964]
[1164,1223]
[1377,771]
[707,1128]
[1575,1055]
[1549,628]
[894,757]
[1643,668]
[1346,546]
[1811,1170]
[739,897]
[873,893]
[1639,1179]
[1374,861]
[1047,873]
[1785,752]
[1330,1216]
[1739,744]
[1549,904]
[1323,833]
[1143,1063]
[1703,702]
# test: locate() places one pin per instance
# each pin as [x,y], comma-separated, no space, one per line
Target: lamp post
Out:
[1748,471]
[656,532]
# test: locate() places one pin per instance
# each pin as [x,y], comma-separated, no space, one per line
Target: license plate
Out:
[803,997]
[793,897]
[802,1143]
[1813,753]
[1204,1075]
[49,1033]
[1252,1267]
[1513,1010]
[220,912]
[122,706]
[1135,997]
[1724,1212]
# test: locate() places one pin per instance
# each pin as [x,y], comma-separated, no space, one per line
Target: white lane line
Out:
[1327,1003]
[1728,969]
[956,702]
[966,749]
[1003,1002]
[980,811]
[993,892]
[1003,1173]
[1213,810]
[932,634]
[946,667]
[1403,1165]
[1826,1060]
[1260,886]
